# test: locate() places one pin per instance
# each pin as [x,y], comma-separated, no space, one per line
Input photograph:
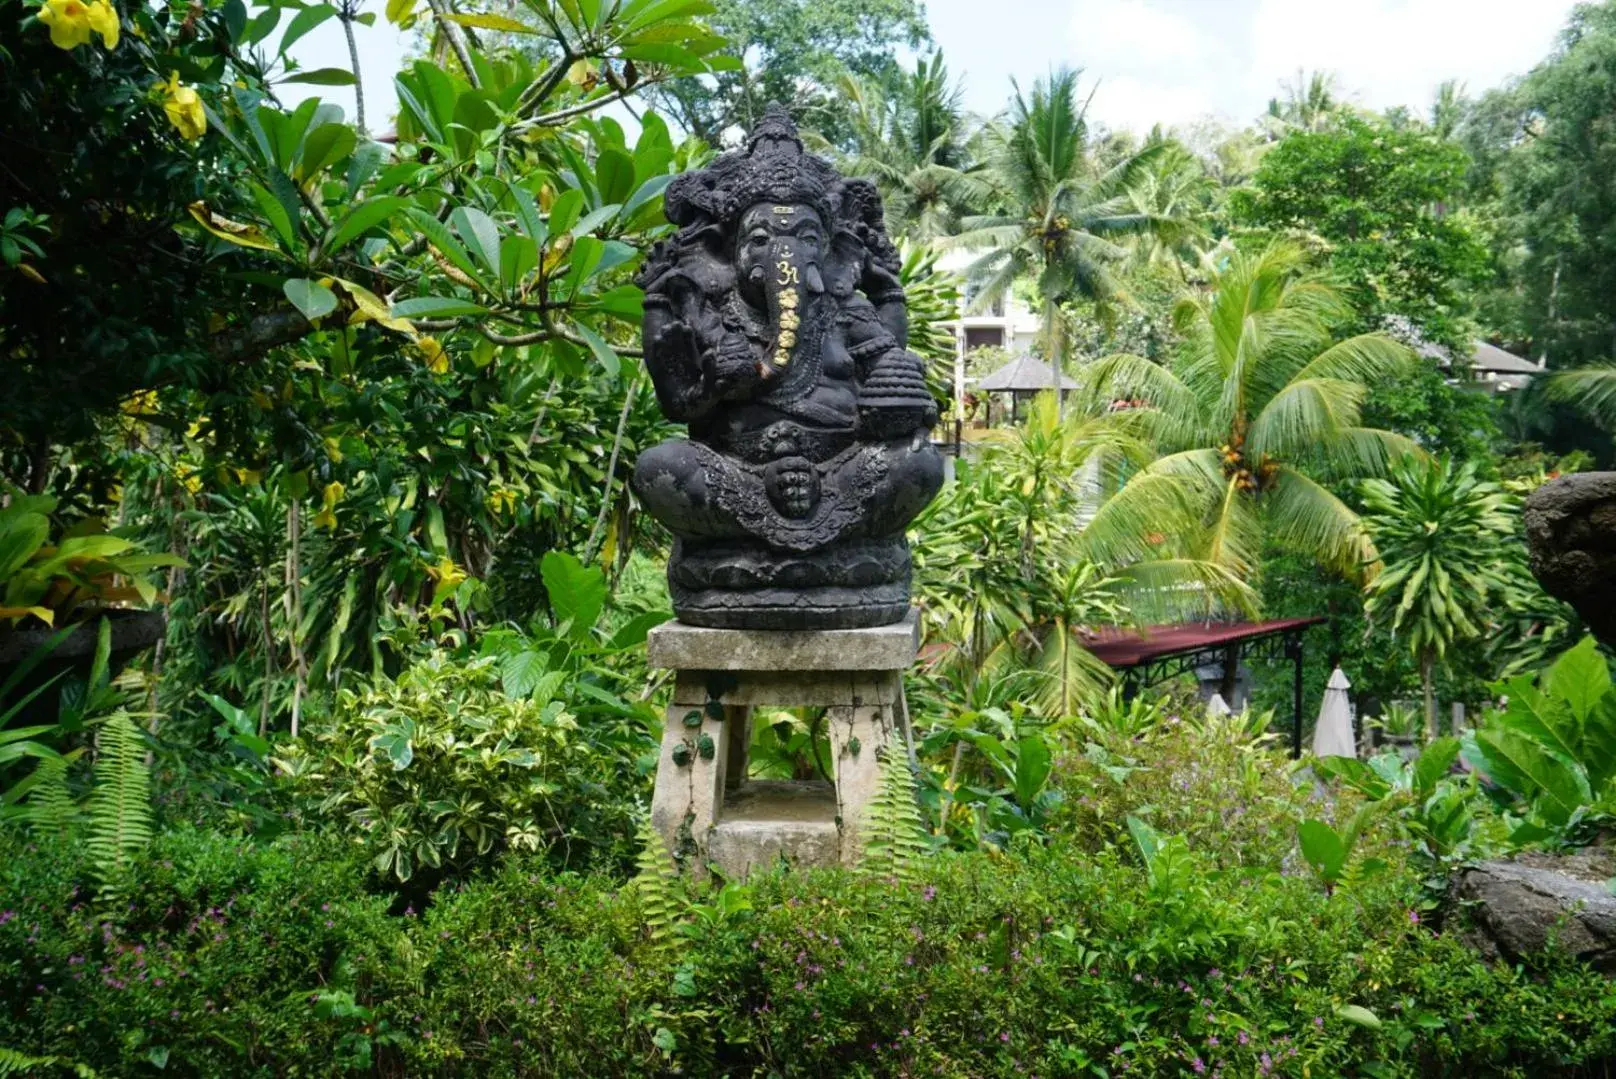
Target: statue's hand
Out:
[734,367]
[675,342]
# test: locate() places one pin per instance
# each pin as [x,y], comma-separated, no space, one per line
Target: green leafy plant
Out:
[120,815]
[439,768]
[1552,747]
[894,837]
[1399,721]
[1328,850]
[84,571]
[1445,539]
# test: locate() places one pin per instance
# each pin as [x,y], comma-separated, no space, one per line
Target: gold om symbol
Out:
[788,273]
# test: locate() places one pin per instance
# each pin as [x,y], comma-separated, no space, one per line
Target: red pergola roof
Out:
[1121,648]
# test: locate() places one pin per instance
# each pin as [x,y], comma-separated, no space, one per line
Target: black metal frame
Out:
[1273,645]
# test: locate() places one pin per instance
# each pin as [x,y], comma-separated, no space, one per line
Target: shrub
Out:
[1230,796]
[236,959]
[219,959]
[440,769]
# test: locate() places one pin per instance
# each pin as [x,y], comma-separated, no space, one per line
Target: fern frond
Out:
[120,807]
[51,809]
[894,838]
[657,884]
[13,1062]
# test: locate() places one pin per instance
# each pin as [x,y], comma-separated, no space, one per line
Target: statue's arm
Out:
[695,362]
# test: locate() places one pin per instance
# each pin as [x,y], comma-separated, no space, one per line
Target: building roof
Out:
[1024,374]
[1492,358]
[1121,648]
[1485,358]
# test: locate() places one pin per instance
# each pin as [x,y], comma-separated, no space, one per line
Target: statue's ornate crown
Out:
[773,167]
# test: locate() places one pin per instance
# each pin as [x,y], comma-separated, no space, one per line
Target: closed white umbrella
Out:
[1333,735]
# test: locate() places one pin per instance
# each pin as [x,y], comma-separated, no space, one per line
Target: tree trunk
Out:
[1428,689]
[294,609]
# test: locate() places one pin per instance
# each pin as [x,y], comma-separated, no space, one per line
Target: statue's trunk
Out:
[791,281]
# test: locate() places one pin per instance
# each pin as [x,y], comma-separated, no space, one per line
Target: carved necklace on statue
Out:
[801,375]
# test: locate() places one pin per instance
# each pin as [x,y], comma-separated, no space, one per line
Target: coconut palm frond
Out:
[1592,389]
[1367,358]
[1305,517]
[1184,589]
[1305,412]
[1358,453]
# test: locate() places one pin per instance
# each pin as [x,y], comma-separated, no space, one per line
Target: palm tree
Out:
[1175,190]
[1258,411]
[1006,556]
[1061,217]
[1444,538]
[1591,389]
[1310,104]
[911,140]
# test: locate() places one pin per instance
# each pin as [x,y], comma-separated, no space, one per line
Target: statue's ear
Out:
[844,263]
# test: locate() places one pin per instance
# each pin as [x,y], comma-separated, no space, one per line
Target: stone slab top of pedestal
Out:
[679,647]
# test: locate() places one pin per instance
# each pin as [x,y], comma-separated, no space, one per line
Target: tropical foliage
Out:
[1447,544]
[1259,412]
[1059,215]
[353,403]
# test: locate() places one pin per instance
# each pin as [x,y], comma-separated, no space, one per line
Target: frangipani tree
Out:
[1257,413]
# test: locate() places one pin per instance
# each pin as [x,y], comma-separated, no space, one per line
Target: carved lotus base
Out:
[741,585]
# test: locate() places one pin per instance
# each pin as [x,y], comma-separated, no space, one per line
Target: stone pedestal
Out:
[705,808]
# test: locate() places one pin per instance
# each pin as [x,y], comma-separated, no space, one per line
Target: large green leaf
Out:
[1580,677]
[1032,769]
[577,592]
[311,298]
[21,537]
[1556,786]
[1323,848]
[365,216]
[480,235]
[1434,763]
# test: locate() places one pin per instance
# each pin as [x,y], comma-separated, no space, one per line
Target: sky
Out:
[1176,62]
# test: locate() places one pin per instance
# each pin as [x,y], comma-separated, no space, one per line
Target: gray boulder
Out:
[1518,907]
[1571,532]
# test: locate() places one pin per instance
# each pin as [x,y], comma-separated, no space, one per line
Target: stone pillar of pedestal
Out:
[706,808]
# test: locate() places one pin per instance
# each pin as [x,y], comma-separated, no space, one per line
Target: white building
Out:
[1007,323]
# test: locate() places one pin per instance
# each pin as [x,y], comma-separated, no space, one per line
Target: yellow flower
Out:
[183,105]
[72,22]
[447,573]
[501,500]
[333,449]
[437,360]
[327,517]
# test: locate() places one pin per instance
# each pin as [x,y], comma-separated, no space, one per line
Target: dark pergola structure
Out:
[1156,653]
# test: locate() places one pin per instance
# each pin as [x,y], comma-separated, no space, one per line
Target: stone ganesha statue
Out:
[775,328]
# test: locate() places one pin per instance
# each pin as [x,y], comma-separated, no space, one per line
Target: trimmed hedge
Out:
[238,959]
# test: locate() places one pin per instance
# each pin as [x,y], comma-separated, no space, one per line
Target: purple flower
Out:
[1242,1038]
[1318,1021]
[1414,917]
[1213,1040]
[1004,1035]
[1197,1066]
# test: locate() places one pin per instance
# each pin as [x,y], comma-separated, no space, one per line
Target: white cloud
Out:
[1177,61]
